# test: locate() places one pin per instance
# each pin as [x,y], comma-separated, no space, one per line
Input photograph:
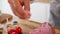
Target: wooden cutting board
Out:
[30,25]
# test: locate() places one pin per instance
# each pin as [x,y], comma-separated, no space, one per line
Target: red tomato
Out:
[11,30]
[14,33]
[18,29]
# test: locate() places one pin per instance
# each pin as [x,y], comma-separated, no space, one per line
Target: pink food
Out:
[45,28]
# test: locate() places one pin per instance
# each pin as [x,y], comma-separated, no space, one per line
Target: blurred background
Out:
[44,1]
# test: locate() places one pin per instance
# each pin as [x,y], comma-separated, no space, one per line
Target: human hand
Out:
[18,10]
[25,14]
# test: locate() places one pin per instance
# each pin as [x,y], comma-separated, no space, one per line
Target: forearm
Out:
[16,5]
[19,7]
[18,10]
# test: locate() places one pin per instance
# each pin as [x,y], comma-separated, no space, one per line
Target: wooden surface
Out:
[30,25]
[46,1]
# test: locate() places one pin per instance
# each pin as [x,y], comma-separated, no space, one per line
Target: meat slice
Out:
[45,28]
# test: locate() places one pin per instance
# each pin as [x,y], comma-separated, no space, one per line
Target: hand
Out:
[18,10]
[25,15]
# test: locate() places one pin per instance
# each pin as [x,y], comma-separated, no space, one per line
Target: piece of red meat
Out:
[45,28]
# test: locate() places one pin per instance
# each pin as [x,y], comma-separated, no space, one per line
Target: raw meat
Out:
[45,28]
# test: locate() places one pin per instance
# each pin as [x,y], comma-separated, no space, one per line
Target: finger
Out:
[9,1]
[17,14]
[15,11]
[18,6]
[27,5]
[23,18]
[26,14]
[29,13]
[13,4]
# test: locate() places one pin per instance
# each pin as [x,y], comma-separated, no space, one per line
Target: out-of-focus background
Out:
[44,1]
[39,9]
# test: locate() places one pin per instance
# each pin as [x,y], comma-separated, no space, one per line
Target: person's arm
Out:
[27,5]
[16,6]
[18,10]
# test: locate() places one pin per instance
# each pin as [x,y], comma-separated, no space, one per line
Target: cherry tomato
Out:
[11,30]
[18,29]
[14,32]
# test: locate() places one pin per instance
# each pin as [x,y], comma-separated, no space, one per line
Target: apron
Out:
[55,13]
